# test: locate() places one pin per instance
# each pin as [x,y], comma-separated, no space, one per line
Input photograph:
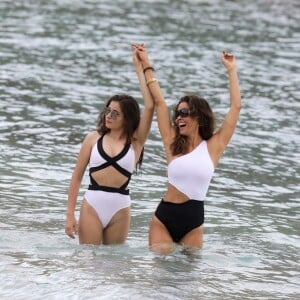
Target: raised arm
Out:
[142,132]
[163,118]
[222,137]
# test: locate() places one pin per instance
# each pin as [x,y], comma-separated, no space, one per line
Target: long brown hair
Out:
[200,109]
[131,112]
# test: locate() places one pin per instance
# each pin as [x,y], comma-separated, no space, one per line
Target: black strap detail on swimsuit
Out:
[110,161]
[108,189]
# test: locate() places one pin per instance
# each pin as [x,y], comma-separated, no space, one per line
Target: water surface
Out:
[61,60]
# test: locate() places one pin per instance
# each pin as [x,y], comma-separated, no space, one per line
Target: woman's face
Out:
[187,125]
[113,116]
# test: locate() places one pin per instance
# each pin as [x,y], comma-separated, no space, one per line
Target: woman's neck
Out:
[116,135]
[194,141]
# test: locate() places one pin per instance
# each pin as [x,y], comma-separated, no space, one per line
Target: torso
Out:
[102,153]
[189,175]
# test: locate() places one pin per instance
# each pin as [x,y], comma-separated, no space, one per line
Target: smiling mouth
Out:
[181,124]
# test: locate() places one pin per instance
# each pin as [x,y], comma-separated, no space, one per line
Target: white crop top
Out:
[191,173]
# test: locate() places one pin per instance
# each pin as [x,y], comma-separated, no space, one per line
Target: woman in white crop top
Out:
[112,151]
[193,149]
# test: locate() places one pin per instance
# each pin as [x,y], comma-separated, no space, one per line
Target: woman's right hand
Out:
[136,60]
[71,226]
[142,54]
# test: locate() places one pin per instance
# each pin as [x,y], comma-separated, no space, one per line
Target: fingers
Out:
[70,232]
[139,52]
[227,55]
[138,46]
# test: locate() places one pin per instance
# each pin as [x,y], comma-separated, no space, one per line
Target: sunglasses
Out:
[113,113]
[183,113]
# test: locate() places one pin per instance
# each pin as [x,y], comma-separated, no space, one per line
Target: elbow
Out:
[158,101]
[149,106]
[237,105]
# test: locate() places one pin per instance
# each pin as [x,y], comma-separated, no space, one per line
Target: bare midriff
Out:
[174,195]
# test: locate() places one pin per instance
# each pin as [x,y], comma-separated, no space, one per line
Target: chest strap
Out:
[110,161]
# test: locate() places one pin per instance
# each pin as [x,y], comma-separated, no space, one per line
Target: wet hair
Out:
[131,112]
[199,109]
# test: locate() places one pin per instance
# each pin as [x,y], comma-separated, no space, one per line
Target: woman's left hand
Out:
[136,60]
[228,60]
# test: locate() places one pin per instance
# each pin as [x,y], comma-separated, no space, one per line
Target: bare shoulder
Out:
[215,148]
[91,138]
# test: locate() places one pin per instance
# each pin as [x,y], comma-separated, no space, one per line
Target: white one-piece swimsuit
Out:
[107,201]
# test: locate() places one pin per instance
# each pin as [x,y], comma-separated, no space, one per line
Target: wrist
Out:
[148,68]
[146,64]
[231,70]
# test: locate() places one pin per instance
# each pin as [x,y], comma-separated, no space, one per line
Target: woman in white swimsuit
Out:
[112,151]
[193,150]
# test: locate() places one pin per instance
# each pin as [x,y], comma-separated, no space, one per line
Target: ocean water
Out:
[60,62]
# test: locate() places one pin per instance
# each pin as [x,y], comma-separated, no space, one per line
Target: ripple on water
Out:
[62,60]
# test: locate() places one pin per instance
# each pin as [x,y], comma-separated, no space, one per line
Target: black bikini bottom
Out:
[180,218]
